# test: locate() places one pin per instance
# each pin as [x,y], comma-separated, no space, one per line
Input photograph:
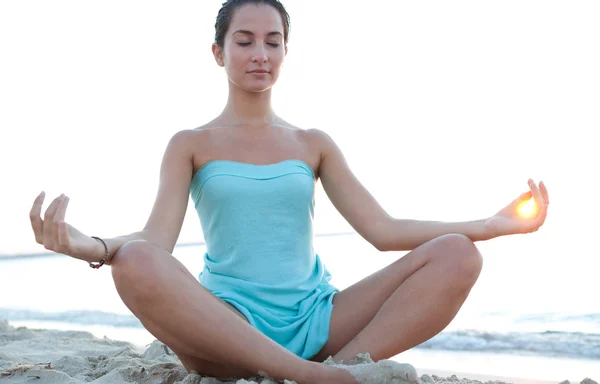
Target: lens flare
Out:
[527,208]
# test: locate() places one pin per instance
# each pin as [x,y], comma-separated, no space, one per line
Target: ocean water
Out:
[521,323]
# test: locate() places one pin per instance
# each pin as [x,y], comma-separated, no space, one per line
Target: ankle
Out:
[329,374]
[311,372]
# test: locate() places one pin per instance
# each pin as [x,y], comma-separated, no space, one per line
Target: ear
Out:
[218,54]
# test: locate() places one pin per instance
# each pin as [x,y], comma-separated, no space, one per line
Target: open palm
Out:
[510,221]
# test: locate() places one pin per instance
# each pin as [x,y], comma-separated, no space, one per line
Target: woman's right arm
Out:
[163,225]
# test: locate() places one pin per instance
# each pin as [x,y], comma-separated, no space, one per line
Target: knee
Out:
[460,257]
[131,258]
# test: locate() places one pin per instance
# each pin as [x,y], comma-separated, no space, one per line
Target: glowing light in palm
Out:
[527,208]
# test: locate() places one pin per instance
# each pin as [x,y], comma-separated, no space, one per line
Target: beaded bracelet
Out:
[101,262]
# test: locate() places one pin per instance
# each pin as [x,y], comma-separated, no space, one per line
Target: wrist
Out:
[105,253]
[489,229]
[98,251]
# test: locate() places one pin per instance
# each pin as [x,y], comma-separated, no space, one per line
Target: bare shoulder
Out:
[179,153]
[318,135]
[192,139]
[182,137]
[320,140]
[206,129]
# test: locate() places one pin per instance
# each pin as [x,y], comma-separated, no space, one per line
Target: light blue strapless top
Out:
[258,226]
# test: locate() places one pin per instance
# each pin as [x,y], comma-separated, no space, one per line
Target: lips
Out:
[259,71]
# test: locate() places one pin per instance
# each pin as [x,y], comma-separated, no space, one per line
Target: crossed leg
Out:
[219,370]
[208,336]
[402,305]
[405,303]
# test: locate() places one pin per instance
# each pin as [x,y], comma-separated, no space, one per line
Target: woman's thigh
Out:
[210,368]
[160,278]
[357,305]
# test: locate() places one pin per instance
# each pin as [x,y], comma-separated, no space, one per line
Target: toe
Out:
[409,372]
[404,372]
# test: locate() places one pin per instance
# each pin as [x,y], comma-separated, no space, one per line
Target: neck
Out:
[248,108]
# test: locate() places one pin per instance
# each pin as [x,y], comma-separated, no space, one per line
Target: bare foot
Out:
[365,371]
[336,375]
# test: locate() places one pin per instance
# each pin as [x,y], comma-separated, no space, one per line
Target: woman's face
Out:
[254,47]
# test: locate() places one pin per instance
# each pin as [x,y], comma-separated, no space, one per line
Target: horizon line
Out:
[12,256]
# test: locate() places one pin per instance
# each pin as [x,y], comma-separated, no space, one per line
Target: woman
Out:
[264,302]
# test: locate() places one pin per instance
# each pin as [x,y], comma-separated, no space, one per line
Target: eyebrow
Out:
[249,33]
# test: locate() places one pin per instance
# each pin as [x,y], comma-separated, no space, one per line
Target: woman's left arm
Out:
[374,224]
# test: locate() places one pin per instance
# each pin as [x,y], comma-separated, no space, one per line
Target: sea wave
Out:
[548,343]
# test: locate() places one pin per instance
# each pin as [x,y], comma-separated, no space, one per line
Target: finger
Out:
[544,191]
[61,209]
[523,197]
[36,219]
[64,243]
[541,218]
[537,195]
[48,220]
[59,219]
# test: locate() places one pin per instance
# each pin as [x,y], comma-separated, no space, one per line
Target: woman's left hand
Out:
[511,221]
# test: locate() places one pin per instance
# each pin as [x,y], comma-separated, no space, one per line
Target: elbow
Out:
[377,242]
[389,247]
[389,235]
[380,236]
[379,232]
[381,248]
[155,238]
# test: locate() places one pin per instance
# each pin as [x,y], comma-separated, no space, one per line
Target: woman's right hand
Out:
[58,236]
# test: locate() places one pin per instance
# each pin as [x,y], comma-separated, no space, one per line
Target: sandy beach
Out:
[52,356]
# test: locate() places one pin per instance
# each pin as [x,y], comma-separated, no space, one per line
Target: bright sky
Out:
[443,109]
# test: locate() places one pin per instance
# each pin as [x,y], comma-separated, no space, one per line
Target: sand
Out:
[73,357]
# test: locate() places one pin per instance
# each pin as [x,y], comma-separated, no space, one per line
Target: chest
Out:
[257,150]
[255,147]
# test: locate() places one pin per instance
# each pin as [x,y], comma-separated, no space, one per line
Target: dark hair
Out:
[228,8]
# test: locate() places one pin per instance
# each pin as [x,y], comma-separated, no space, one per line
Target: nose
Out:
[260,54]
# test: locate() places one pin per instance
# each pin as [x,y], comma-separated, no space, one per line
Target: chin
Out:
[254,85]
[257,88]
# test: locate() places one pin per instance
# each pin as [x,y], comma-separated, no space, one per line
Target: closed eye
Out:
[274,45]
